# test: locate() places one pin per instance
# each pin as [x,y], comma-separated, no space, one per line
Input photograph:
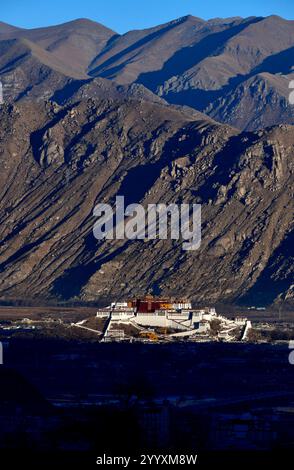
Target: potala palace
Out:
[160,319]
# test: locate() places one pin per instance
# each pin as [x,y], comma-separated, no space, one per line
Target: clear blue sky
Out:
[123,15]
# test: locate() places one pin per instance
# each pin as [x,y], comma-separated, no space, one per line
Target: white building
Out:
[119,305]
[182,305]
[123,314]
[103,313]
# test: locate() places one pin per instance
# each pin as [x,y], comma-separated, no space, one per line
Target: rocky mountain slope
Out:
[58,159]
[235,70]
[90,114]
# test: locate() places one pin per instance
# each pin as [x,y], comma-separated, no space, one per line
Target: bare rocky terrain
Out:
[90,114]
[58,161]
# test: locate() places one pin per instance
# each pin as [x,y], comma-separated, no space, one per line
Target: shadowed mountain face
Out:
[58,161]
[235,70]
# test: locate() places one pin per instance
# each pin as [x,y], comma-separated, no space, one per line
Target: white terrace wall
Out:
[158,320]
[177,325]
[148,319]
[181,316]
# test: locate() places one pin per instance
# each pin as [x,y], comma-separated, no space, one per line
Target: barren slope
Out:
[59,161]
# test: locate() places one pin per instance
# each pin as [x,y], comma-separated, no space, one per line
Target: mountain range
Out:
[190,111]
[235,70]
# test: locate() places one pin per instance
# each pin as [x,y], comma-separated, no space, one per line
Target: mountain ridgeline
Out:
[235,70]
